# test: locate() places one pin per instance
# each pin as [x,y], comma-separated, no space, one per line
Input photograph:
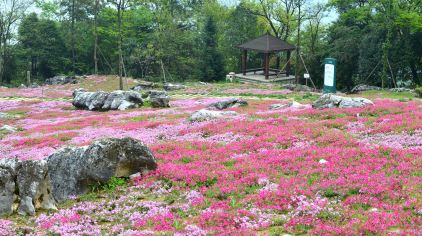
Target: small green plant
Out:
[330,193]
[185,160]
[110,186]
[418,91]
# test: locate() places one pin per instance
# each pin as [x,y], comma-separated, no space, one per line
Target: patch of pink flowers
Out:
[290,171]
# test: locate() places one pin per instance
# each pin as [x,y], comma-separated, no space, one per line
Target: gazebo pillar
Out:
[244,61]
[288,63]
[266,65]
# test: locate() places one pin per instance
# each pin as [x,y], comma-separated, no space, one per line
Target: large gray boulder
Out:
[172,87]
[333,101]
[28,185]
[363,87]
[205,115]
[104,101]
[61,79]
[73,170]
[34,186]
[159,98]
[230,103]
[7,186]
[24,185]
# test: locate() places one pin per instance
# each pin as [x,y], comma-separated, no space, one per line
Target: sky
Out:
[332,15]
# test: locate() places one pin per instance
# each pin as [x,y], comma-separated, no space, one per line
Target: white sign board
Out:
[306,76]
[329,75]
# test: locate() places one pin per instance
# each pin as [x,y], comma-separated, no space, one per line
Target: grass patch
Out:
[312,178]
[388,94]
[229,164]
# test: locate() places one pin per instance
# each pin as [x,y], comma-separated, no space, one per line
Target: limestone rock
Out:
[172,87]
[144,86]
[28,185]
[26,181]
[333,101]
[402,90]
[233,102]
[159,99]
[8,129]
[297,87]
[34,186]
[61,80]
[293,104]
[7,189]
[363,87]
[204,115]
[104,101]
[73,170]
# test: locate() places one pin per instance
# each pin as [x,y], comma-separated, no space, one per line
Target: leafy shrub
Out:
[419,91]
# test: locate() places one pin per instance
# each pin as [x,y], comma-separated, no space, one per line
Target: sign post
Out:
[330,75]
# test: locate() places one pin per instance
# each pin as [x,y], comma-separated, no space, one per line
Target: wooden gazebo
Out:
[266,44]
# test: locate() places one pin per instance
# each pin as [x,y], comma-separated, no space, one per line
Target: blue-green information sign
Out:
[330,75]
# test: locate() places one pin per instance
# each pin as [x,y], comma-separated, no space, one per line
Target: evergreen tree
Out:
[43,44]
[212,60]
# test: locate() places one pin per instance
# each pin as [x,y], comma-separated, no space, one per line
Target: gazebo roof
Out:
[267,43]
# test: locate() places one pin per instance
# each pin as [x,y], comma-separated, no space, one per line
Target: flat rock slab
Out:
[104,101]
[334,101]
[28,185]
[172,87]
[8,129]
[204,115]
[293,104]
[363,87]
[141,86]
[230,103]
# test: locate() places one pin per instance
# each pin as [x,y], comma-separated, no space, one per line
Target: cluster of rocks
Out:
[104,101]
[61,80]
[333,101]
[214,110]
[28,185]
[364,87]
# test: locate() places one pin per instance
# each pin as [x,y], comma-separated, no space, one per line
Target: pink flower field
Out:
[355,171]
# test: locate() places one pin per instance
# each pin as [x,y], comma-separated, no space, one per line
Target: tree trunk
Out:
[119,19]
[97,2]
[298,46]
[73,37]
[2,59]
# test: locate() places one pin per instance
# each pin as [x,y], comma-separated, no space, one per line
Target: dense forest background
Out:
[375,42]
